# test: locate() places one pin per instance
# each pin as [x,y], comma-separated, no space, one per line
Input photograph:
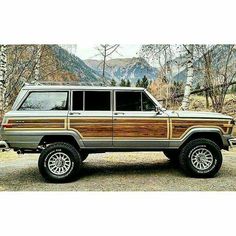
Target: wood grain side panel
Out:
[180,126]
[92,130]
[92,127]
[140,121]
[140,128]
[91,120]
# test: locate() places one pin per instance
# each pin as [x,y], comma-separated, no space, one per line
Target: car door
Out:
[136,124]
[91,117]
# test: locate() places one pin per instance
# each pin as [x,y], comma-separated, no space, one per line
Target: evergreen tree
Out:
[128,84]
[144,82]
[198,86]
[138,84]
[122,83]
[113,82]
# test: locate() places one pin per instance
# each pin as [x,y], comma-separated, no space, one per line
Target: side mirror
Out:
[157,109]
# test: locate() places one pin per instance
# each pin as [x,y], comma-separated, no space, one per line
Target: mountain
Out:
[125,68]
[70,67]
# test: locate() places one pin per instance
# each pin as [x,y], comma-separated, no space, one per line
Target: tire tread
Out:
[184,155]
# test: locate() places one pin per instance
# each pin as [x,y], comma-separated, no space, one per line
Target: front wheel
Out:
[59,162]
[201,158]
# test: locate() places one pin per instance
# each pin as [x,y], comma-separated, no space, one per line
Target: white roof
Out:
[70,87]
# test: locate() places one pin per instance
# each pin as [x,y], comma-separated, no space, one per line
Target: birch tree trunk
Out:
[3,70]
[37,65]
[189,82]
[104,65]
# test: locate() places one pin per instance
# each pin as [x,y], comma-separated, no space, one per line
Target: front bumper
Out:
[232,142]
[4,146]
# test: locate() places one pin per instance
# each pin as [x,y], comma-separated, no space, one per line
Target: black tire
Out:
[83,155]
[172,155]
[200,158]
[71,164]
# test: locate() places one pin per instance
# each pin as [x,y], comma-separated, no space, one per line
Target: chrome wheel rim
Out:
[202,159]
[59,163]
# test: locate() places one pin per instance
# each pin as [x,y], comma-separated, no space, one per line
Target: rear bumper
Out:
[232,142]
[4,146]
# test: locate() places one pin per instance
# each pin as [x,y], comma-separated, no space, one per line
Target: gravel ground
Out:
[116,172]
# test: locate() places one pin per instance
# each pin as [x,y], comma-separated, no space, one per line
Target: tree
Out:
[113,82]
[21,67]
[198,87]
[37,63]
[144,82]
[162,55]
[233,89]
[128,84]
[123,83]
[3,70]
[177,88]
[189,82]
[138,83]
[218,68]
[165,55]
[106,50]
[28,64]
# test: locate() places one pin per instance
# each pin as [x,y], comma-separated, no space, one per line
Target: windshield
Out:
[154,99]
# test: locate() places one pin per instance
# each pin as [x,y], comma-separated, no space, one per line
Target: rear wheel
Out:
[201,158]
[59,162]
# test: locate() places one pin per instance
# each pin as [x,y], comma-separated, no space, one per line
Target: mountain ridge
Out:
[125,68]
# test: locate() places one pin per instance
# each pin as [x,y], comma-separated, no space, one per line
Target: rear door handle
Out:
[119,113]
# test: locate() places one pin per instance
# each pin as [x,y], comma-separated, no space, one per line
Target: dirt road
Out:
[116,172]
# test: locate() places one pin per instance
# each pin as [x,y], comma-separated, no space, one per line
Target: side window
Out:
[97,101]
[77,102]
[128,101]
[148,104]
[45,101]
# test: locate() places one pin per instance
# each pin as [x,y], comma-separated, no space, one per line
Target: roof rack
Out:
[97,83]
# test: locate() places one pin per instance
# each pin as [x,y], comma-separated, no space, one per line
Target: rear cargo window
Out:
[45,101]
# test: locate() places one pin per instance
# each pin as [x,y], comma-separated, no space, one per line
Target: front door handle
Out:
[74,113]
[119,113]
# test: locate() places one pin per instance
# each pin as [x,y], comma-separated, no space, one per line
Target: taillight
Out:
[7,125]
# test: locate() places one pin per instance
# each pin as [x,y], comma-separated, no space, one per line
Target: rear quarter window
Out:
[45,101]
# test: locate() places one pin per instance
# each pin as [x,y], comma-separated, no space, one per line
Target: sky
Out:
[125,50]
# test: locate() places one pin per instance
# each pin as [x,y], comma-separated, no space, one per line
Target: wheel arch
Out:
[214,135]
[66,138]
